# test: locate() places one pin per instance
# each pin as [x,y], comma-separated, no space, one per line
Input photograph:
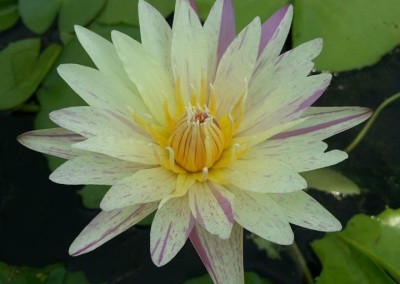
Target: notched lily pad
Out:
[22,69]
[38,15]
[52,274]
[77,12]
[356,34]
[330,180]
[367,251]
[8,14]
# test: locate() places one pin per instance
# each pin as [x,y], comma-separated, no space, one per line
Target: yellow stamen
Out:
[197,140]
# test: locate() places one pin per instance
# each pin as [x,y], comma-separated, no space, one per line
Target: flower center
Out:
[197,140]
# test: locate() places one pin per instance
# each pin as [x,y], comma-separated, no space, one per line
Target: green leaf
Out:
[92,195]
[356,33]
[77,12]
[52,274]
[245,11]
[21,70]
[8,14]
[38,15]
[126,11]
[249,278]
[331,181]
[369,246]
[271,249]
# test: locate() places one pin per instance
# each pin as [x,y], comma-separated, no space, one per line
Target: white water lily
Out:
[207,127]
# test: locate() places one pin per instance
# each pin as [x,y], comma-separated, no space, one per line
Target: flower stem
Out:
[364,131]
[301,263]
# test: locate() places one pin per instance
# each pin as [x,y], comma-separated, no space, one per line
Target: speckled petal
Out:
[323,122]
[98,89]
[170,229]
[223,259]
[304,211]
[107,225]
[55,141]
[301,154]
[94,169]
[211,206]
[90,122]
[264,176]
[144,186]
[259,214]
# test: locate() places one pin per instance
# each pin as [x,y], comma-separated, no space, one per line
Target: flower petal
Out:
[302,210]
[156,36]
[189,50]
[291,65]
[259,214]
[107,225]
[90,121]
[103,54]
[94,169]
[148,75]
[144,186]
[220,30]
[284,103]
[323,122]
[236,67]
[274,34]
[211,206]
[264,176]
[170,229]
[300,153]
[276,25]
[184,182]
[223,259]
[98,89]
[128,149]
[55,141]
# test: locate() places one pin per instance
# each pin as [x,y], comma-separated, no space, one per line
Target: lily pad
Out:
[92,195]
[8,14]
[38,15]
[126,11]
[355,34]
[245,11]
[331,181]
[369,246]
[52,274]
[77,12]
[22,70]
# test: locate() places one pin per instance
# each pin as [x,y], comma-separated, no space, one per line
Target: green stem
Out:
[300,261]
[364,131]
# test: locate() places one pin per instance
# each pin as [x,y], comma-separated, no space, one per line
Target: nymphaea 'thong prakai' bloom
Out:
[207,127]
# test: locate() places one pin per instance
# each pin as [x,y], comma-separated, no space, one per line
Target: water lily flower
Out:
[208,127]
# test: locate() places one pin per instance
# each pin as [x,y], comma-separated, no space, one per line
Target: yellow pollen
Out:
[197,140]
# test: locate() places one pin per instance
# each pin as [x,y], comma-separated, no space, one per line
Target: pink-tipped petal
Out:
[193,5]
[324,122]
[55,141]
[107,225]
[269,28]
[223,259]
[170,229]
[211,206]
[274,34]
